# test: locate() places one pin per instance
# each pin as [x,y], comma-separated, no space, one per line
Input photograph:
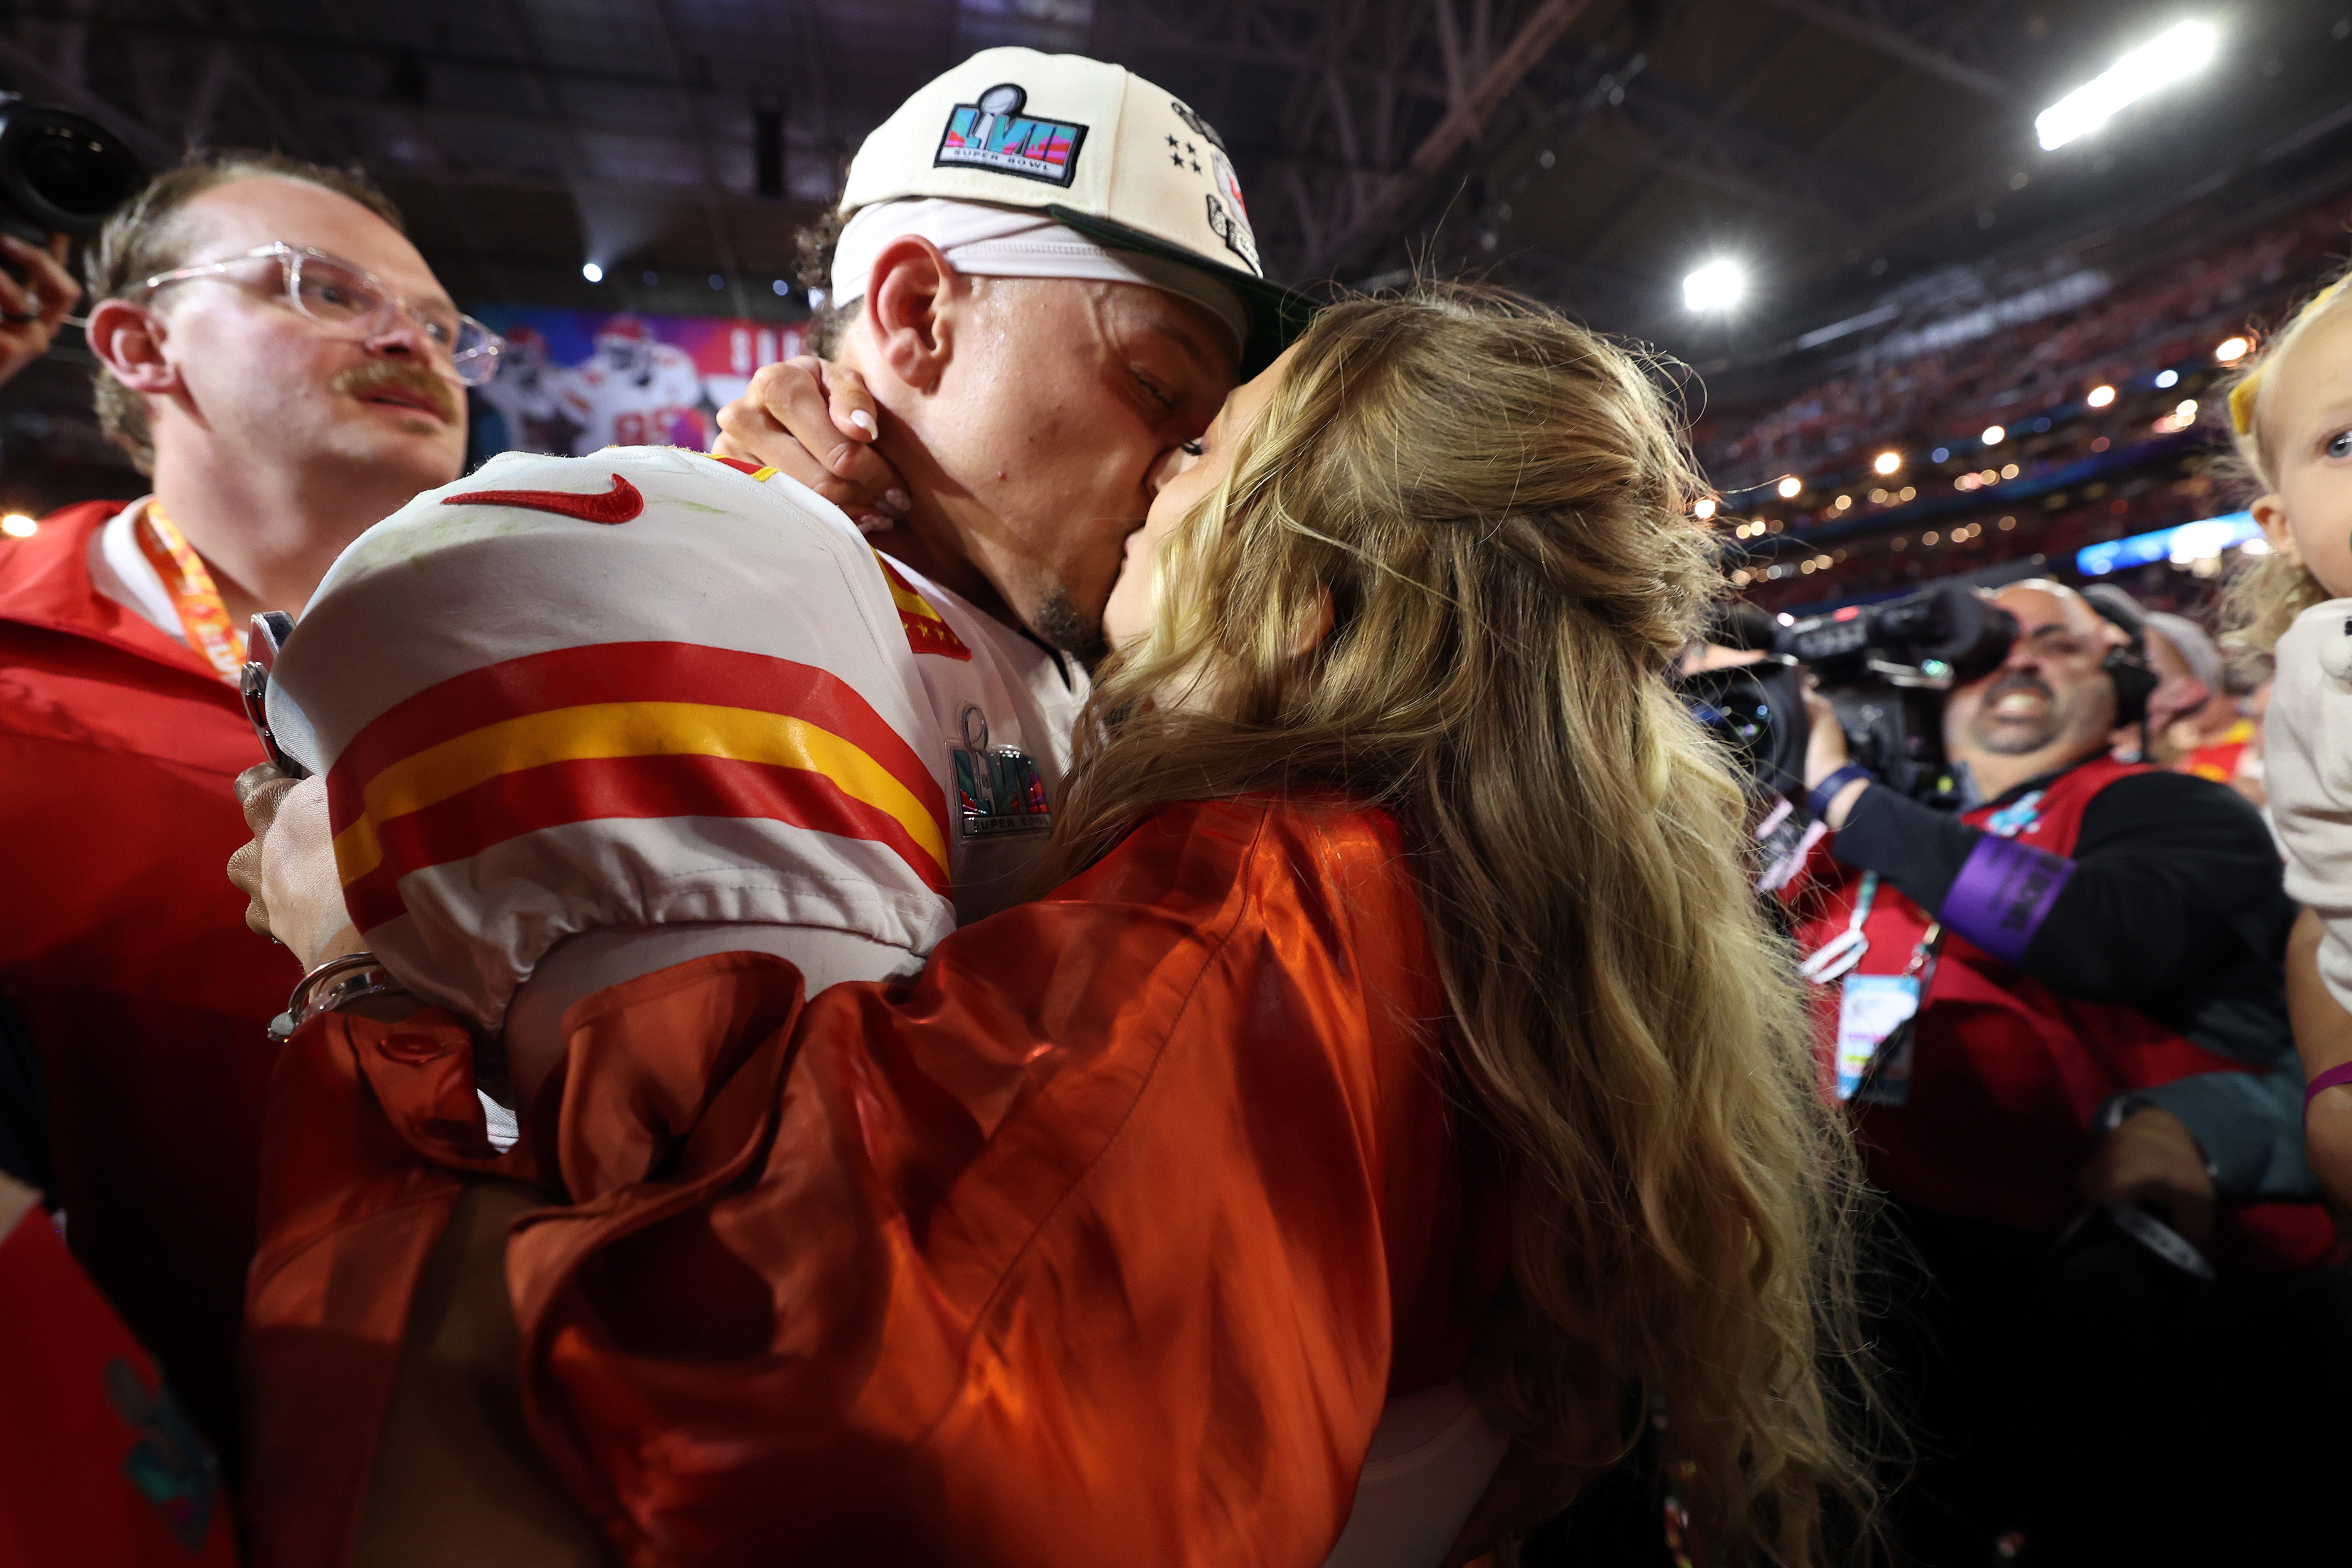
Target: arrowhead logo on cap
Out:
[994,134]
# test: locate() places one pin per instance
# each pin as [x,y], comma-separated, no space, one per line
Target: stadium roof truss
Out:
[1587,148]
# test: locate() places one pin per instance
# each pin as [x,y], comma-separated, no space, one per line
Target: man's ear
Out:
[2270,511]
[909,310]
[129,340]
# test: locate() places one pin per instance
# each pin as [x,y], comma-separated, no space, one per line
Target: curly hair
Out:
[812,249]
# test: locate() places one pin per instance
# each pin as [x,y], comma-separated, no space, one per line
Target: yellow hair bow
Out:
[2241,396]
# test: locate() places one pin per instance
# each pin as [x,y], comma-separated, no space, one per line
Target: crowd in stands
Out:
[2066,471]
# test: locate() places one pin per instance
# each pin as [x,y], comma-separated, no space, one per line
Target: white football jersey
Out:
[652,686]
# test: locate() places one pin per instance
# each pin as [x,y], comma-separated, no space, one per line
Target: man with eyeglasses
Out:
[277,357]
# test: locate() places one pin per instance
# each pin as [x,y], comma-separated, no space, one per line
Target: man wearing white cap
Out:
[1044,272]
[1054,286]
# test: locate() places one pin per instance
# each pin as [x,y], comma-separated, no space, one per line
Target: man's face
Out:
[2049,700]
[263,378]
[1192,473]
[1050,425]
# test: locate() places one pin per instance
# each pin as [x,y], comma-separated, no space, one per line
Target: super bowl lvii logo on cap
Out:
[994,134]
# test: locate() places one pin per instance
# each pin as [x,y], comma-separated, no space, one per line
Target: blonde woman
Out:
[1404,998]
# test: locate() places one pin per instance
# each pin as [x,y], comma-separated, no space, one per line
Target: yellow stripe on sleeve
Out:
[608,730]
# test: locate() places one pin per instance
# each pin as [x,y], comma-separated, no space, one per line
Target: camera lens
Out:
[74,173]
[60,172]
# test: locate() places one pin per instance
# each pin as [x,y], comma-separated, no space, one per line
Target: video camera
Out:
[60,172]
[1885,667]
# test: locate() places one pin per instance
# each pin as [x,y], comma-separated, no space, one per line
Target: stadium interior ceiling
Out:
[1872,163]
[1586,150]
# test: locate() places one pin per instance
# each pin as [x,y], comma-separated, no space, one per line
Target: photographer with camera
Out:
[2057,1017]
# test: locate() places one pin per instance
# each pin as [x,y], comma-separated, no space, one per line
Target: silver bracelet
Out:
[334,985]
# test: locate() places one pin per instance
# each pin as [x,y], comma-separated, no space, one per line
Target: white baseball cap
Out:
[1101,149]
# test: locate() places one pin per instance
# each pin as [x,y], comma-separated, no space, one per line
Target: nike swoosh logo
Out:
[618,504]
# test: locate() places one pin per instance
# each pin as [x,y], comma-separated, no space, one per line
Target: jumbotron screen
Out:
[576,381]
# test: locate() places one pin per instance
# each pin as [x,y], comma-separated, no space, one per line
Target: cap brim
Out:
[1276,315]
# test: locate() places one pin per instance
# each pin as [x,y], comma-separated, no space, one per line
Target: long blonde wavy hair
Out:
[1497,504]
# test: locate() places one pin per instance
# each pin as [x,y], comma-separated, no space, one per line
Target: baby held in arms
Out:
[2291,412]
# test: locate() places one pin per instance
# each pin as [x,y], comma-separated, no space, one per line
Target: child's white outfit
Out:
[2307,768]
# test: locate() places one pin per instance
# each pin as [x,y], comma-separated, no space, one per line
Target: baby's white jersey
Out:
[2307,775]
[650,687]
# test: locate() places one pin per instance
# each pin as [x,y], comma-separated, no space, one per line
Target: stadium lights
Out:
[1887,462]
[2172,54]
[1704,508]
[2229,351]
[590,271]
[17,525]
[1994,435]
[2101,396]
[1717,286]
[1789,487]
[2168,378]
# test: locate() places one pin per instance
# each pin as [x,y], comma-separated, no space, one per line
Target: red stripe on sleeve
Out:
[623,672]
[558,793]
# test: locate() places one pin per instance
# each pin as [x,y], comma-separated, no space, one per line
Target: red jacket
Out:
[1101,1242]
[124,950]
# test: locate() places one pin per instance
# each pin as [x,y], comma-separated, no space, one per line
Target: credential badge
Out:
[993,134]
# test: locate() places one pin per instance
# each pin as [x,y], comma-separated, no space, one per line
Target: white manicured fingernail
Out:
[875,523]
[863,421]
[897,500]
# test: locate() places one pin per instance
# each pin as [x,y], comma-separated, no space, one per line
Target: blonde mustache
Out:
[384,374]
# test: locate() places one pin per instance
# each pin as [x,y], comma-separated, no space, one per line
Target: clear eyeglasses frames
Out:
[350,303]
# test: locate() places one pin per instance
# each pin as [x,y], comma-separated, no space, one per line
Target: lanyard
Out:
[203,616]
[1842,952]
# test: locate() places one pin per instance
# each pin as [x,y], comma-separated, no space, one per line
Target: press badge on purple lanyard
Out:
[998,790]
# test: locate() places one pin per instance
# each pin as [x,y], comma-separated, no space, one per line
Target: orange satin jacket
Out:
[1104,1241]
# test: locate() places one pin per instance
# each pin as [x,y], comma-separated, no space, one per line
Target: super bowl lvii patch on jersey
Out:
[998,789]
